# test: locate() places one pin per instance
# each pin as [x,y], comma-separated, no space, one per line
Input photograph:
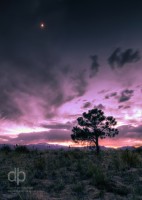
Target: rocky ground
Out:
[71,175]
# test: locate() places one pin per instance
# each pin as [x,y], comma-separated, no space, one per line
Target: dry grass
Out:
[72,174]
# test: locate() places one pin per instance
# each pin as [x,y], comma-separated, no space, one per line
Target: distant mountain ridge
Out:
[44,146]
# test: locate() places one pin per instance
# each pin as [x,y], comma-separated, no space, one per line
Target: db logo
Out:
[16,176]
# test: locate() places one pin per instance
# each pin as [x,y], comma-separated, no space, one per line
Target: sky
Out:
[60,58]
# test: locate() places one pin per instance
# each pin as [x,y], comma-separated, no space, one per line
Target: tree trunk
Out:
[97,146]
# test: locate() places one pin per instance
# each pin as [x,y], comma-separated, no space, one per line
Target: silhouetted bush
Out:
[78,188]
[6,149]
[130,158]
[21,149]
[138,150]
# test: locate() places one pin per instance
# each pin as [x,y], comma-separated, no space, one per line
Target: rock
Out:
[117,187]
[96,194]
[140,179]
[133,170]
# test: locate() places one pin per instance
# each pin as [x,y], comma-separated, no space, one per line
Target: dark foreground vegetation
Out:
[72,174]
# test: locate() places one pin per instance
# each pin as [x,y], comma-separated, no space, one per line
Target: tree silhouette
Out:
[92,126]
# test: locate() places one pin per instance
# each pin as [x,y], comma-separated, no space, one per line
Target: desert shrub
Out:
[99,179]
[87,168]
[39,168]
[76,154]
[54,163]
[138,189]
[90,170]
[116,162]
[130,158]
[53,174]
[40,164]
[81,167]
[21,149]
[57,186]
[78,188]
[102,194]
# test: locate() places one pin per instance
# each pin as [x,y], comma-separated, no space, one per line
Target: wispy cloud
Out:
[119,58]
[95,65]
[125,95]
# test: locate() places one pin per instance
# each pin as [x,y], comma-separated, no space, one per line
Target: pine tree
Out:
[92,126]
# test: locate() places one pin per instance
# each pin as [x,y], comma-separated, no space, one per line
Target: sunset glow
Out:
[87,59]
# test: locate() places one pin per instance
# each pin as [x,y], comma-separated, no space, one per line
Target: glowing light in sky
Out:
[42,25]
[136,114]
[15,129]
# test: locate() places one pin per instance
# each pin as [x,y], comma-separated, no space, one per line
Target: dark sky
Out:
[88,54]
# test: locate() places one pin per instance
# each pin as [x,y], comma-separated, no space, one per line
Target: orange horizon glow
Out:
[71,144]
[12,131]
